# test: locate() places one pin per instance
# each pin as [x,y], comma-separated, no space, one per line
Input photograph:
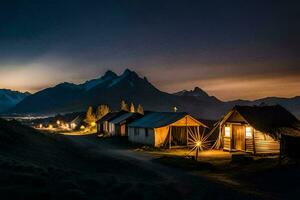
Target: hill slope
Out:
[111,89]
[9,98]
[34,165]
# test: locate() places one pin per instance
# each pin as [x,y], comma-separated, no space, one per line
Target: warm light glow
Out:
[227,131]
[198,142]
[93,124]
[73,125]
[41,125]
[58,122]
[248,132]
[65,126]
[245,87]
[175,109]
[50,126]
[82,127]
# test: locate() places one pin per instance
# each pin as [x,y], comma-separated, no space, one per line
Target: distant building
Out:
[119,124]
[163,129]
[258,130]
[76,122]
[104,125]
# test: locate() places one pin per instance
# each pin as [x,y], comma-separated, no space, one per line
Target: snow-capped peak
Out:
[127,74]
[9,98]
[109,75]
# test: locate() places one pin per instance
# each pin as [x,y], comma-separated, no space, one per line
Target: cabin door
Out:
[123,130]
[238,137]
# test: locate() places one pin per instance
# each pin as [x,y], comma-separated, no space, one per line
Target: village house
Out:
[163,129]
[257,129]
[104,126]
[119,124]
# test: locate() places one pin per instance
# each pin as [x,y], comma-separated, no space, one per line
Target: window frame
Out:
[248,130]
[225,132]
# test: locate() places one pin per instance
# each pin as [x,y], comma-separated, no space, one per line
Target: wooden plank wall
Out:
[227,143]
[226,140]
[265,144]
[249,145]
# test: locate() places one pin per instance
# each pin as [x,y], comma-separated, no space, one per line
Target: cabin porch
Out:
[241,137]
[238,137]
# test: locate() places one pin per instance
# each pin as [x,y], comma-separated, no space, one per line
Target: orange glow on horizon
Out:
[35,77]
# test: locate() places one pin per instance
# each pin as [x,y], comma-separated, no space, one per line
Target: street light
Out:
[198,142]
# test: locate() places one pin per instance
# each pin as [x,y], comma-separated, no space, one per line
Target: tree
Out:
[124,106]
[101,111]
[132,109]
[90,116]
[140,109]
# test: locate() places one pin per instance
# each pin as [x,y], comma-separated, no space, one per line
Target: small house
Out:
[104,126]
[119,124]
[76,122]
[163,129]
[256,129]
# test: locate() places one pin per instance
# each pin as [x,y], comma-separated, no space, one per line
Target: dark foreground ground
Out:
[44,166]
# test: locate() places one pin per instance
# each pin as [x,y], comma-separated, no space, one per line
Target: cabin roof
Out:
[123,117]
[110,116]
[273,120]
[78,119]
[157,119]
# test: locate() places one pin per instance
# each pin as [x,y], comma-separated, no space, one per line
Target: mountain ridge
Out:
[66,97]
[111,88]
[9,98]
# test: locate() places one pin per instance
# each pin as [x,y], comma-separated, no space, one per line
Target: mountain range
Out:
[9,98]
[129,86]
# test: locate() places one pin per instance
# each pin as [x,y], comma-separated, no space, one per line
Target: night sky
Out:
[231,49]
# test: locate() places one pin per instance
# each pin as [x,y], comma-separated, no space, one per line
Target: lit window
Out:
[248,132]
[227,131]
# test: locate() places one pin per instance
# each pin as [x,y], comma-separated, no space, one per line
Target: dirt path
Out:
[188,182]
[136,158]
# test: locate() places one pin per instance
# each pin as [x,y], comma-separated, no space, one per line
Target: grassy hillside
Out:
[36,165]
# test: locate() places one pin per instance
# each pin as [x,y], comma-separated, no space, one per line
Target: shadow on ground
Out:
[36,165]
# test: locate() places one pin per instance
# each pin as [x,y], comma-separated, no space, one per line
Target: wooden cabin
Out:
[119,124]
[104,126]
[163,129]
[255,129]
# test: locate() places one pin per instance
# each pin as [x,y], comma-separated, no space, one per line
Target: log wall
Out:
[227,143]
[249,145]
[265,144]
